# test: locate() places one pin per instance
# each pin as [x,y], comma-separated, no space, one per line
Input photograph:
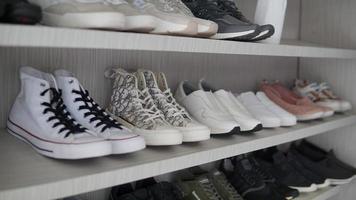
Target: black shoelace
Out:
[57,107]
[94,110]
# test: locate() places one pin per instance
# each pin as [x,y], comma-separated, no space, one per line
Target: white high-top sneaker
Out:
[39,118]
[135,109]
[166,22]
[232,106]
[205,109]
[81,13]
[88,113]
[191,131]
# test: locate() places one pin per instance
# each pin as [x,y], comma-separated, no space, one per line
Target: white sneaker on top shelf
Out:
[203,107]
[39,118]
[232,106]
[89,114]
[287,119]
[258,110]
[132,105]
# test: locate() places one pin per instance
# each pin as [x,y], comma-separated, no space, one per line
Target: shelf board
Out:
[323,194]
[41,36]
[24,173]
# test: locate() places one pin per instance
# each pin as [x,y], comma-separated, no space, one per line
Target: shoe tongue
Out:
[162,81]
[141,82]
[149,79]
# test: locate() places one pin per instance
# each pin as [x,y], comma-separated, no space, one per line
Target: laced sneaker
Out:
[174,114]
[229,27]
[132,105]
[82,13]
[223,186]
[231,8]
[39,118]
[167,21]
[89,114]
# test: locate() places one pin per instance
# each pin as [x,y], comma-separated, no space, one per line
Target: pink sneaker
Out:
[297,108]
[301,100]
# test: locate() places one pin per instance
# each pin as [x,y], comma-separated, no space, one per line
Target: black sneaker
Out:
[316,153]
[246,182]
[230,7]
[271,181]
[126,192]
[20,12]
[277,164]
[229,27]
[318,180]
[160,190]
[326,167]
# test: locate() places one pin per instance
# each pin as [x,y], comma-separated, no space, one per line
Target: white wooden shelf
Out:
[323,194]
[41,36]
[24,173]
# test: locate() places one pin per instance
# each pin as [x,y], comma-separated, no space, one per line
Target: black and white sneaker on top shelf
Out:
[229,27]
[89,114]
[39,118]
[132,105]
[191,130]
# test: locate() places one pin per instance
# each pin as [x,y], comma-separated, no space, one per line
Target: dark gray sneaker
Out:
[230,7]
[229,27]
[277,164]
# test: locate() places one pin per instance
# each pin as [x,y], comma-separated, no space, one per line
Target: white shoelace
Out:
[172,100]
[149,108]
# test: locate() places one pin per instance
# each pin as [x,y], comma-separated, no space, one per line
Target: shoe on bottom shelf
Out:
[135,109]
[89,114]
[81,14]
[173,113]
[39,118]
[204,108]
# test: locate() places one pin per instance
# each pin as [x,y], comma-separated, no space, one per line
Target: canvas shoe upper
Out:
[223,186]
[203,107]
[82,13]
[287,119]
[232,106]
[259,110]
[167,22]
[133,107]
[180,120]
[89,114]
[228,26]
[326,92]
[39,117]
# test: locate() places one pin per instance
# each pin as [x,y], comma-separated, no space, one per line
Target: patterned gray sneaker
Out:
[177,117]
[167,22]
[135,109]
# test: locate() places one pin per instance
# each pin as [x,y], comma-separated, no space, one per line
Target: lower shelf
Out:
[323,194]
[24,173]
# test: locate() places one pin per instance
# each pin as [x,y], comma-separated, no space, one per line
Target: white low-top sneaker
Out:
[90,115]
[258,110]
[232,106]
[82,13]
[39,118]
[287,119]
[203,107]
[191,131]
[132,105]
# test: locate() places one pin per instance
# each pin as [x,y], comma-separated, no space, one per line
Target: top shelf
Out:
[49,37]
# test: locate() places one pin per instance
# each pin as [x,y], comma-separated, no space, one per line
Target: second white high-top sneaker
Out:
[89,114]
[81,13]
[205,109]
[39,118]
[231,105]
[191,131]
[135,109]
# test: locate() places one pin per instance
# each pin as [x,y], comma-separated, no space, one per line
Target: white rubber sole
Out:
[215,131]
[288,122]
[61,150]
[95,20]
[328,114]
[141,23]
[313,116]
[271,123]
[311,188]
[127,145]
[261,34]
[221,36]
[323,185]
[194,135]
[339,181]
[168,27]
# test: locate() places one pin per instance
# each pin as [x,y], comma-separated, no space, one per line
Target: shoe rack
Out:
[318,45]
